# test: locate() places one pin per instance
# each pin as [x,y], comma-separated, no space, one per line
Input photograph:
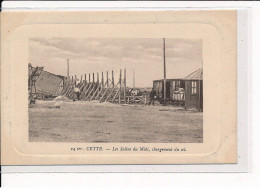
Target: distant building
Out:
[187,91]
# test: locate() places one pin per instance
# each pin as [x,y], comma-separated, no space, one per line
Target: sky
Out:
[144,56]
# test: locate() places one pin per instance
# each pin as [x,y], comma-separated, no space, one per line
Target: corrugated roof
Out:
[196,75]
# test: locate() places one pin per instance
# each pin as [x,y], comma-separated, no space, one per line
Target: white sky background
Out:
[145,56]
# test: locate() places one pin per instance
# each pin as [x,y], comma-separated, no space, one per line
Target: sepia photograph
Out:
[139,90]
[120,87]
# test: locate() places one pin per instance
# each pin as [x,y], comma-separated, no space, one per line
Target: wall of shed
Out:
[194,100]
[171,86]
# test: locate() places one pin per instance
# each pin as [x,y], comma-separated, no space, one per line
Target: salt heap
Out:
[61,98]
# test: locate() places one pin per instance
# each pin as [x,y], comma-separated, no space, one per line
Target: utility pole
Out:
[68,69]
[164,73]
[68,73]
[134,80]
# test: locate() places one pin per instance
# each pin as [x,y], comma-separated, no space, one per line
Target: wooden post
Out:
[88,90]
[113,99]
[97,77]
[100,92]
[107,80]
[113,83]
[119,100]
[103,95]
[164,73]
[85,77]
[125,85]
[198,90]
[75,80]
[95,92]
[93,77]
[89,78]
[102,80]
[81,78]
[111,92]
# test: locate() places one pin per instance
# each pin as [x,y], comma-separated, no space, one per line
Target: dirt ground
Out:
[105,122]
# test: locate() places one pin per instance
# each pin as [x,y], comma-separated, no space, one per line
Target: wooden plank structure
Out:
[187,91]
[100,90]
[194,90]
[172,86]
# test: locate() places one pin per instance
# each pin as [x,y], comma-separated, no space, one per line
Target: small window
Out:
[193,87]
[173,86]
[178,85]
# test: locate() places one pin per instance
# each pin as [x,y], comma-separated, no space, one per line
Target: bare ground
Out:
[104,122]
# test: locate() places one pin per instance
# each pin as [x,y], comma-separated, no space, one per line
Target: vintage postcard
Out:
[118,87]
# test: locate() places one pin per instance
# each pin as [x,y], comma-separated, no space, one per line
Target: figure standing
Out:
[152,96]
[77,92]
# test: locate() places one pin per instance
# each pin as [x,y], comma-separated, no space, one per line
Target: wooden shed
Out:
[194,90]
[172,85]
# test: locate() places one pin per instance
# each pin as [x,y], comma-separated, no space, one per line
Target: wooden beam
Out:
[87,92]
[71,92]
[107,79]
[102,89]
[115,95]
[119,99]
[105,93]
[95,92]
[102,79]
[164,73]
[85,86]
[64,90]
[68,90]
[125,85]
[110,93]
[93,88]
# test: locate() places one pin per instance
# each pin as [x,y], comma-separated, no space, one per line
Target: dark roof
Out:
[159,80]
[196,75]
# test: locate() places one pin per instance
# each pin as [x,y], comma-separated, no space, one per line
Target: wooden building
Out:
[49,84]
[194,90]
[172,85]
[187,91]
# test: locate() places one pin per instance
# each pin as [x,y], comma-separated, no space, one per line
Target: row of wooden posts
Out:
[104,90]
